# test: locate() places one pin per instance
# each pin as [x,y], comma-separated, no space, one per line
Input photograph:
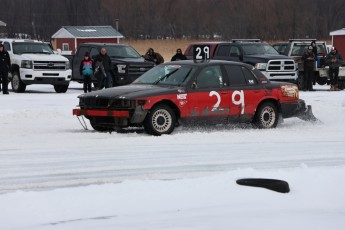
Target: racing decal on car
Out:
[215,106]
[181,96]
[240,100]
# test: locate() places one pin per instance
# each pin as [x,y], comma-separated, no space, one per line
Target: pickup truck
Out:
[261,55]
[34,62]
[296,47]
[127,63]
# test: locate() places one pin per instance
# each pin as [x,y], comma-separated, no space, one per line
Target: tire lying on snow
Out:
[272,184]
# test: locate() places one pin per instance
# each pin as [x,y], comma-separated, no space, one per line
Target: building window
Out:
[65,46]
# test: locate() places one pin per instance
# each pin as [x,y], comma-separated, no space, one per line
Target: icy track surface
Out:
[43,146]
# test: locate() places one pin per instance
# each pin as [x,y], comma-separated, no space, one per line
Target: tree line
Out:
[175,19]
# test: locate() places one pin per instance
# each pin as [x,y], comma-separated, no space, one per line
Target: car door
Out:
[244,91]
[208,97]
[78,57]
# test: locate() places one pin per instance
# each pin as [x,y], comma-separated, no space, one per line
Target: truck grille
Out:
[281,65]
[50,65]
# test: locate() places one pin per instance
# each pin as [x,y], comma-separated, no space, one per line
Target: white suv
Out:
[34,62]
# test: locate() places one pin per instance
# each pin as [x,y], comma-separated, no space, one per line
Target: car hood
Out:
[43,57]
[133,91]
[139,60]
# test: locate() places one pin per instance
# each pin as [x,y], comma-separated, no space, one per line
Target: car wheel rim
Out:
[15,82]
[268,117]
[161,120]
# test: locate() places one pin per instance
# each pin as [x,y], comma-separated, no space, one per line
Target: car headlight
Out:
[26,64]
[289,91]
[121,68]
[261,66]
[67,64]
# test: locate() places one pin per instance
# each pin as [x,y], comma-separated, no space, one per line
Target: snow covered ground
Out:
[55,175]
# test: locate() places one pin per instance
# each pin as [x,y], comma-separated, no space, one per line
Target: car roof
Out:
[102,44]
[205,63]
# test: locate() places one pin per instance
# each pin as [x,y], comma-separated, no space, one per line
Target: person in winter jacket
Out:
[178,56]
[153,56]
[308,59]
[313,44]
[334,61]
[86,70]
[103,61]
[5,65]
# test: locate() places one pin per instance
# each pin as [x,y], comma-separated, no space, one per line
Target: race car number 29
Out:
[201,52]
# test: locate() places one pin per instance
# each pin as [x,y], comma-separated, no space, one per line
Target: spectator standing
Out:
[86,70]
[104,62]
[308,59]
[313,44]
[153,56]
[334,61]
[178,56]
[5,65]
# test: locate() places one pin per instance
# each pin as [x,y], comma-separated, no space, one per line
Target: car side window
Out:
[234,51]
[7,46]
[81,52]
[210,77]
[235,75]
[223,50]
[250,78]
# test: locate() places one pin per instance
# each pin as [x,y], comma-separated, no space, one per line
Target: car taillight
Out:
[289,91]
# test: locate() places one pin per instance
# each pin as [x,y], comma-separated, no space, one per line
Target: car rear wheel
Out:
[17,85]
[300,81]
[267,116]
[160,120]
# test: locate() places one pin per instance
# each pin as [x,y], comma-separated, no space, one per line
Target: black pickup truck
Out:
[254,52]
[127,63]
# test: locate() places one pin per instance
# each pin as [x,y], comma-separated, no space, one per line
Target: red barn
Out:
[338,40]
[68,38]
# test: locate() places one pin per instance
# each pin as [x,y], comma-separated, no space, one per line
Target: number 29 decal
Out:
[201,53]
[237,98]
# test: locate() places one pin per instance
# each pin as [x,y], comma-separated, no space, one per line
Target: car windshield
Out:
[299,48]
[122,52]
[259,49]
[166,75]
[31,48]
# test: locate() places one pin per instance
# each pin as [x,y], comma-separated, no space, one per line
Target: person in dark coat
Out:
[104,62]
[86,70]
[313,44]
[334,61]
[5,65]
[153,56]
[308,59]
[178,56]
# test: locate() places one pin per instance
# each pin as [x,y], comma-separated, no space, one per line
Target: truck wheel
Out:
[160,120]
[300,81]
[17,85]
[341,85]
[321,80]
[61,88]
[266,116]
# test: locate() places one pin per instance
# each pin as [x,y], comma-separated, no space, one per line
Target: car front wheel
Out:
[17,85]
[267,116]
[160,120]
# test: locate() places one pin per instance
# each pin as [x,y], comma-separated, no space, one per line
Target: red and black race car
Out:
[213,92]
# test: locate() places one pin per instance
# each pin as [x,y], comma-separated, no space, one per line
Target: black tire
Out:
[300,81]
[17,85]
[96,124]
[266,116]
[341,85]
[272,184]
[161,119]
[61,88]
[321,80]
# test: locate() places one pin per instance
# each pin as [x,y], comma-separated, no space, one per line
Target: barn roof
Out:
[87,32]
[338,32]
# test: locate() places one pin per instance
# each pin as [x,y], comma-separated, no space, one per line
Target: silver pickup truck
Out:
[295,47]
